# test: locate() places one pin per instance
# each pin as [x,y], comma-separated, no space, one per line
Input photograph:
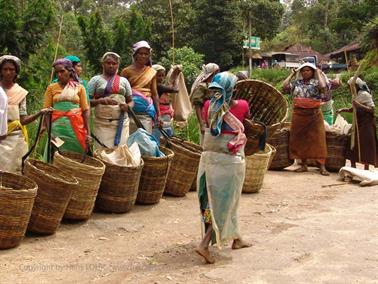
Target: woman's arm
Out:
[47,107]
[365,108]
[155,97]
[286,83]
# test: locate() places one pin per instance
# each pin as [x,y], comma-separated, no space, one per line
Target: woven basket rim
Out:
[163,149]
[113,165]
[65,158]
[67,176]
[6,191]
[266,151]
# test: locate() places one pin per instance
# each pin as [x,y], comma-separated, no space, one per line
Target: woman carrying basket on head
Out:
[364,146]
[222,166]
[70,118]
[200,93]
[307,132]
[111,96]
[142,78]
[14,144]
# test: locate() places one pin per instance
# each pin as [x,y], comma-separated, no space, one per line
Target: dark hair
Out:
[16,66]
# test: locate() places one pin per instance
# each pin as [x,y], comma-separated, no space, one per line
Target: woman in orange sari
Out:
[142,78]
[15,144]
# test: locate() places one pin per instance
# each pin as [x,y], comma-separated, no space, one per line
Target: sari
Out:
[67,118]
[222,167]
[108,118]
[141,84]
[15,145]
[3,112]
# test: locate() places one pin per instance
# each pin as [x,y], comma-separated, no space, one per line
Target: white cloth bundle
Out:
[123,156]
[3,113]
[366,178]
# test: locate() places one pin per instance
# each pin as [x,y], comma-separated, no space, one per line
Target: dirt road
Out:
[301,233]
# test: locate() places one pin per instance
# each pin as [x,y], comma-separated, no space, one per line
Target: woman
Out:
[111,96]
[70,118]
[307,133]
[142,78]
[222,166]
[364,146]
[14,145]
[164,93]
[200,93]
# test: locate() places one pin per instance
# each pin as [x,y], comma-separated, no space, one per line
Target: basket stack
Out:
[17,194]
[89,174]
[256,167]
[280,141]
[119,187]
[55,189]
[184,167]
[336,148]
[154,177]
[266,103]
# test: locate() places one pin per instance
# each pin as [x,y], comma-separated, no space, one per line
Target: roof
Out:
[303,51]
[349,47]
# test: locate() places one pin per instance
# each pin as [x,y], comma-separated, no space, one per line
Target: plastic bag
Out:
[147,143]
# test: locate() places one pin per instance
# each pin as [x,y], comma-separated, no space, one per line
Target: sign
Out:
[255,42]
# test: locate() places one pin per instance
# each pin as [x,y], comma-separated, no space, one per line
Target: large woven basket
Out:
[154,177]
[119,187]
[88,174]
[256,167]
[17,194]
[55,189]
[266,103]
[280,141]
[336,148]
[184,167]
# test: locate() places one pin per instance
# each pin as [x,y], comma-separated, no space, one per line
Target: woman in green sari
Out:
[70,118]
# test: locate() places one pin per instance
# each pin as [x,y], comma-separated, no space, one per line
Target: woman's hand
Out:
[124,107]
[342,110]
[107,101]
[88,140]
[45,110]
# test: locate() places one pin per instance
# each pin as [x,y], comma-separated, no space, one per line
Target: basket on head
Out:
[266,103]
[55,189]
[256,167]
[280,141]
[154,177]
[17,194]
[89,174]
[336,149]
[119,187]
[184,167]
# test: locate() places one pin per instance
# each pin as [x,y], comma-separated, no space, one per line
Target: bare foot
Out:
[323,171]
[238,244]
[301,169]
[205,254]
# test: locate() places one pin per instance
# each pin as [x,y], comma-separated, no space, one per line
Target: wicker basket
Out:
[266,103]
[119,187]
[88,174]
[280,141]
[154,177]
[336,148]
[256,167]
[184,167]
[55,189]
[17,194]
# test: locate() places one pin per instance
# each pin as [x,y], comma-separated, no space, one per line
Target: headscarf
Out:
[207,70]
[111,54]
[74,59]
[224,84]
[306,64]
[67,64]
[361,84]
[140,44]
[12,58]
[242,75]
[158,67]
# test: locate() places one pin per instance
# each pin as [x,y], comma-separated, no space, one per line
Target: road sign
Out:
[255,42]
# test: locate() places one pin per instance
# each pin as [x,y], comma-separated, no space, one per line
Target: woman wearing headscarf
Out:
[142,78]
[15,144]
[307,132]
[364,146]
[70,118]
[200,92]
[110,95]
[222,166]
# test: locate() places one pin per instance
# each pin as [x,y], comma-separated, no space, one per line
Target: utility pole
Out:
[249,46]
